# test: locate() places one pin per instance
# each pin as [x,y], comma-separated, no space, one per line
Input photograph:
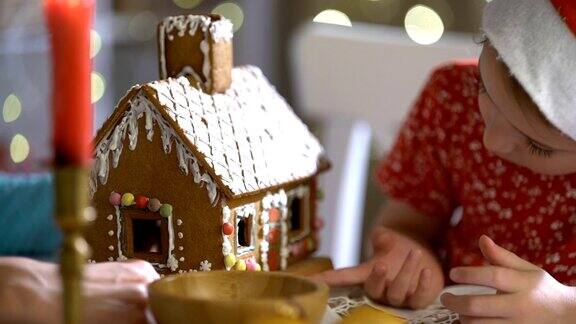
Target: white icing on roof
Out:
[249,136]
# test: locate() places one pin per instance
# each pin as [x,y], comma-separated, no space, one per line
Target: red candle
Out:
[69,24]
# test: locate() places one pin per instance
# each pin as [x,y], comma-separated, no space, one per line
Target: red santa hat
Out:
[537,41]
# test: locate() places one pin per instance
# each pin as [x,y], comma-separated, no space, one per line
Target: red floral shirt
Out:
[440,167]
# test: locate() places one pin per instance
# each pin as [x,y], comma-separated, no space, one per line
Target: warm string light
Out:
[423,25]
[187,4]
[333,17]
[11,109]
[98,86]
[232,11]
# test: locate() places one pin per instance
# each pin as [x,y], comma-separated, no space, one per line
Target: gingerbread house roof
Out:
[248,139]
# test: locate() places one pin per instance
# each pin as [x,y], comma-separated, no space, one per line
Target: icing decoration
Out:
[178,222]
[121,256]
[180,235]
[140,107]
[115,198]
[110,233]
[166,210]
[110,217]
[227,229]
[154,205]
[141,202]
[229,261]
[111,247]
[205,266]
[180,248]
[127,199]
[181,259]
[240,265]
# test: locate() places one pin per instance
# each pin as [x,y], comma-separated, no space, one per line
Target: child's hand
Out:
[402,273]
[114,292]
[526,293]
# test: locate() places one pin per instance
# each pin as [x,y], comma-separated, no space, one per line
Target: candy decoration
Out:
[274,215]
[227,229]
[127,199]
[320,194]
[318,223]
[115,198]
[166,210]
[273,235]
[229,261]
[141,201]
[251,265]
[273,260]
[257,267]
[154,205]
[240,265]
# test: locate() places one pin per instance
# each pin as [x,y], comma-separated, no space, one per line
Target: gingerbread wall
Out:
[150,172]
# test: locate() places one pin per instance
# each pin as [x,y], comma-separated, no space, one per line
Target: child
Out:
[482,179]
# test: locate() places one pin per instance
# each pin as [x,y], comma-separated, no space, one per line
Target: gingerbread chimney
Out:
[199,47]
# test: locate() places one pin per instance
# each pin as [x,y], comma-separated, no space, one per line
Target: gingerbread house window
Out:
[146,235]
[244,233]
[298,216]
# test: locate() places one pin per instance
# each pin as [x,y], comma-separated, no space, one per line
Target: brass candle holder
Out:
[71,206]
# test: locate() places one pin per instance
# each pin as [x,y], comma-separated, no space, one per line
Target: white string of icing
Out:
[264,244]
[140,106]
[121,256]
[171,262]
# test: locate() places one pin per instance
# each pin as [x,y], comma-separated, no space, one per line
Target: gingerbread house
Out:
[207,168]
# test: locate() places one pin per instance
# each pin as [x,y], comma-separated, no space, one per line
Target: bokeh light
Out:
[423,25]
[334,17]
[187,4]
[19,148]
[98,86]
[12,108]
[95,43]
[231,11]
[142,26]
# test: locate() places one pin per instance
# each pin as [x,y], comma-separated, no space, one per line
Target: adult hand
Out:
[114,292]
[526,293]
[401,273]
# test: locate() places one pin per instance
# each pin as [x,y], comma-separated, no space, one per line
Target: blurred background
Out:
[350,68]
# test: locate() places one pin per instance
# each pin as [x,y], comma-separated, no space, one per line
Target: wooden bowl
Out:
[236,297]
